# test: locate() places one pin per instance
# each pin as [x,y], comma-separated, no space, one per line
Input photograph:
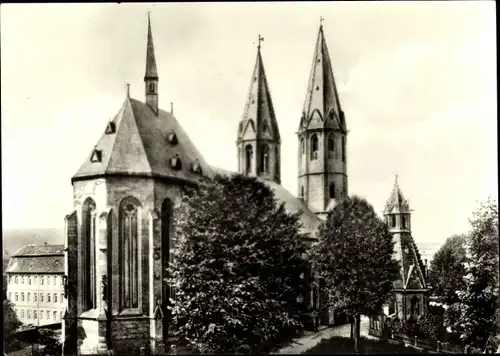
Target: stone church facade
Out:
[119,235]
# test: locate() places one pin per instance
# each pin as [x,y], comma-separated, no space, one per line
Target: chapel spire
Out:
[151,78]
[258,134]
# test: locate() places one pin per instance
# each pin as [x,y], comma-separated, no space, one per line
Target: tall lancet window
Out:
[88,252]
[314,147]
[248,159]
[332,190]
[129,253]
[264,161]
[343,149]
[331,146]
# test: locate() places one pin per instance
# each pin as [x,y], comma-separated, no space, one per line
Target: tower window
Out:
[332,190]
[264,163]
[248,159]
[302,191]
[331,145]
[314,147]
[393,220]
[343,149]
[403,222]
[151,87]
[277,163]
[302,147]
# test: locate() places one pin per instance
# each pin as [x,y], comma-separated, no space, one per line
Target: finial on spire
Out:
[260,39]
[321,18]
[128,90]
[396,182]
[171,107]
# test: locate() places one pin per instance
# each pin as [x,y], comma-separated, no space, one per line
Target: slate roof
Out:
[310,222]
[259,119]
[322,105]
[412,267]
[144,143]
[37,259]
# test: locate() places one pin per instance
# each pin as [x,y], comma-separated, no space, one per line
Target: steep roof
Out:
[309,221]
[322,105]
[397,203]
[37,259]
[259,119]
[139,142]
[412,268]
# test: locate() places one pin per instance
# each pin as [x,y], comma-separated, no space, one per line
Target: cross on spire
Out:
[128,90]
[260,39]
[321,18]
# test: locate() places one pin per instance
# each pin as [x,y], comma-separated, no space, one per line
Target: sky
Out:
[416,80]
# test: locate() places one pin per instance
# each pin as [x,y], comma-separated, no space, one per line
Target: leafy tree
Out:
[237,267]
[477,305]
[447,270]
[430,325]
[354,257]
[10,324]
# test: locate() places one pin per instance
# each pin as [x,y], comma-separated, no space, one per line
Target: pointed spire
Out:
[397,200]
[151,71]
[322,96]
[259,106]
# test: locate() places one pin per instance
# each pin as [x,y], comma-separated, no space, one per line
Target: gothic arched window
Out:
[167,209]
[302,191]
[88,249]
[248,159]
[302,147]
[277,163]
[332,190]
[151,87]
[264,159]
[331,145]
[314,147]
[343,149]
[415,306]
[393,220]
[129,253]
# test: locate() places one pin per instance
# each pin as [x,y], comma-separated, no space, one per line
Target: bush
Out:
[430,325]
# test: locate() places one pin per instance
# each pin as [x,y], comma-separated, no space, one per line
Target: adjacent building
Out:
[410,294]
[35,284]
[119,235]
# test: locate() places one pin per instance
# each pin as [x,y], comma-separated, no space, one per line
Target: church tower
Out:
[258,134]
[322,173]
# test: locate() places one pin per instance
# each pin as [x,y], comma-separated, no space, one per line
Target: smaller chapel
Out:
[410,294]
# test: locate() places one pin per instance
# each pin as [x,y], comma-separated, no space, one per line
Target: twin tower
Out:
[322,173]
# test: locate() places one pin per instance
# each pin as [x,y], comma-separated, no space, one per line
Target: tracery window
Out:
[314,147]
[129,254]
[89,262]
[248,158]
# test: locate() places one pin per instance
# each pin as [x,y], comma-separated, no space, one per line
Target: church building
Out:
[410,294]
[119,235]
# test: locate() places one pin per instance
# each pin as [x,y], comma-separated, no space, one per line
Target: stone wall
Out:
[129,335]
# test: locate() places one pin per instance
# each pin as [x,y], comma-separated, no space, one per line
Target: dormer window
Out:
[175,162]
[196,167]
[172,138]
[110,128]
[96,156]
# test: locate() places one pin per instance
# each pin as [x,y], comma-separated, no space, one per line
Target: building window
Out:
[302,191]
[35,315]
[332,190]
[22,296]
[248,159]
[16,279]
[41,297]
[62,297]
[55,297]
[343,149]
[48,315]
[48,298]
[22,313]
[17,297]
[48,280]
[54,315]
[61,315]
[22,280]
[35,297]
[89,217]
[35,279]
[302,147]
[264,159]
[331,146]
[415,306]
[28,314]
[29,297]
[314,147]
[151,87]
[129,252]
[42,280]
[10,296]
[29,280]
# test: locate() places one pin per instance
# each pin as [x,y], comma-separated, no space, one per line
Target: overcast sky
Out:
[417,82]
